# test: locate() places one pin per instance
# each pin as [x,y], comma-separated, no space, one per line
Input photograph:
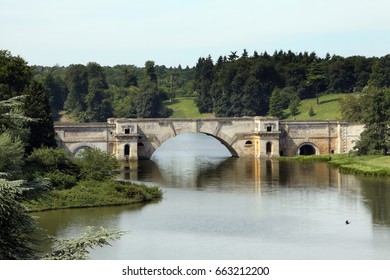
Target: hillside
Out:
[184,107]
[328,109]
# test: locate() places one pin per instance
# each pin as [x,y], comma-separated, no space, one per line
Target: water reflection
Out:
[217,207]
[376,193]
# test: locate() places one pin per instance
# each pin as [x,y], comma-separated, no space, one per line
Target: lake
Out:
[218,207]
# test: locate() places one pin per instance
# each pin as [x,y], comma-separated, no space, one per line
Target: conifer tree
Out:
[36,106]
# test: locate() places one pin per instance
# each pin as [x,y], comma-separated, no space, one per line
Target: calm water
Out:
[216,207]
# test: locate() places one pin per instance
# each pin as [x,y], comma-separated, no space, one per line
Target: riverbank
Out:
[373,165]
[91,193]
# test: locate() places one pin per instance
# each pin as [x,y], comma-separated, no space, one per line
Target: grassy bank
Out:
[372,165]
[94,194]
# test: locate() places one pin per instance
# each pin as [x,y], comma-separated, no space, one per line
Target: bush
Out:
[97,165]
[61,180]
[50,159]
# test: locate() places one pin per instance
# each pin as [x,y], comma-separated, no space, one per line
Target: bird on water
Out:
[347,222]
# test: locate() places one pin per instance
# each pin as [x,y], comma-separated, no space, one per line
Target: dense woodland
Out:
[233,85]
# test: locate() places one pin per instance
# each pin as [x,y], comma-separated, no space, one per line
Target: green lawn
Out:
[328,109]
[184,107]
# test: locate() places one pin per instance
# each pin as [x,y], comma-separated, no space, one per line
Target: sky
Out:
[173,32]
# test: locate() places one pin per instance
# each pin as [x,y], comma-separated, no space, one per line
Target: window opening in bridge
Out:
[307,150]
[248,143]
[269,128]
[127,130]
[268,148]
[127,149]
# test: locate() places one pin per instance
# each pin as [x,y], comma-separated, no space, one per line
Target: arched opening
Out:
[198,145]
[248,143]
[268,148]
[127,150]
[306,150]
[79,151]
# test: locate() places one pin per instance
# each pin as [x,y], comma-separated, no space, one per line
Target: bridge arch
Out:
[148,148]
[307,149]
[225,143]
[81,147]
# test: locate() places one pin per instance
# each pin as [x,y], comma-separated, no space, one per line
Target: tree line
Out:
[93,93]
[264,84]
[233,85]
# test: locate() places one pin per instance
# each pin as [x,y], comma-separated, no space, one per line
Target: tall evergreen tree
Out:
[56,91]
[277,103]
[97,101]
[380,76]
[204,75]
[76,78]
[376,118]
[36,106]
[149,101]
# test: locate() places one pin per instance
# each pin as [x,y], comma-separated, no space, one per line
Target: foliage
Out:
[204,75]
[124,101]
[351,108]
[92,193]
[98,101]
[96,165]
[16,227]
[380,76]
[61,180]
[11,154]
[76,78]
[51,159]
[233,85]
[184,107]
[36,106]
[311,112]
[24,104]
[328,110]
[294,106]
[77,248]
[280,100]
[376,117]
[14,75]
[149,103]
[13,119]
[56,92]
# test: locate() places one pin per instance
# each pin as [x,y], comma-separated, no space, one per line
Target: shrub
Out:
[97,165]
[61,180]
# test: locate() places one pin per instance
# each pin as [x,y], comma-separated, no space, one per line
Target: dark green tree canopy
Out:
[376,118]
[15,75]
[41,128]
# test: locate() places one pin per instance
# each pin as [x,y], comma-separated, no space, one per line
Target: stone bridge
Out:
[132,139]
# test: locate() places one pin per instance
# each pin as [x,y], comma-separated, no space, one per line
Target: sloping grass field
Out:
[184,107]
[328,109]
